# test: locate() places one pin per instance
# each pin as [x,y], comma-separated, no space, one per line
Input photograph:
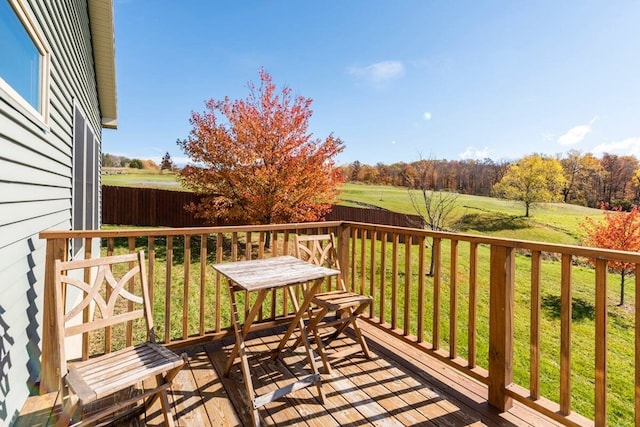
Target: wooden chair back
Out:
[103,283]
[319,249]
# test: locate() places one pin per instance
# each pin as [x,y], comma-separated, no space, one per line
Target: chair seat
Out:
[101,376]
[340,300]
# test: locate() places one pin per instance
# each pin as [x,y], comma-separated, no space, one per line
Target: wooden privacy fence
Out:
[374,216]
[152,207]
[148,207]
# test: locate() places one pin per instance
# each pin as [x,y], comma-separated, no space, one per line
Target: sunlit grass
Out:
[548,222]
[143,178]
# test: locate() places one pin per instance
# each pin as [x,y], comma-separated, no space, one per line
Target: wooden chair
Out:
[110,377]
[321,250]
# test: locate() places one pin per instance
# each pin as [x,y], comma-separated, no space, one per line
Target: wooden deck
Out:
[397,387]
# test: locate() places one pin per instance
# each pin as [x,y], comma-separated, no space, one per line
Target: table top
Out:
[273,272]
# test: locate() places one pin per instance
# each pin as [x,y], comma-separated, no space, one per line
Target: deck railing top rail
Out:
[583,251]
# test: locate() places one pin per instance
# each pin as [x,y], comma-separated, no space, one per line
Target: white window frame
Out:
[40,118]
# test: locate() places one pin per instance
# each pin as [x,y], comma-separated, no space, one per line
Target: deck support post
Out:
[50,364]
[501,300]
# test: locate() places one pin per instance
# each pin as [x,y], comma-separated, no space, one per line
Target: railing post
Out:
[343,252]
[50,364]
[502,274]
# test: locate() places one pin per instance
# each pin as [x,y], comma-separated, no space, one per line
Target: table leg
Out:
[247,323]
[240,347]
[311,357]
[298,322]
[299,313]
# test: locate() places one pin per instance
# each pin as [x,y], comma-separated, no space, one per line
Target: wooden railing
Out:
[455,297]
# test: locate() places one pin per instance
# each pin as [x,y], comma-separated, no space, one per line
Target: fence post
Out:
[501,288]
[50,365]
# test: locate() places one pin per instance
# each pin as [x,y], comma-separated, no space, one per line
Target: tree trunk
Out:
[526,209]
[431,264]
[267,240]
[622,274]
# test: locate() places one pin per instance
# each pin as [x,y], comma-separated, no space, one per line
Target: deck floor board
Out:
[398,386]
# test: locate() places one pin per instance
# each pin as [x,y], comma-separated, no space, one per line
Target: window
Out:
[85,176]
[24,67]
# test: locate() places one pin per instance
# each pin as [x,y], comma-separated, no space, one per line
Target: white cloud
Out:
[475,153]
[626,147]
[379,72]
[427,115]
[577,133]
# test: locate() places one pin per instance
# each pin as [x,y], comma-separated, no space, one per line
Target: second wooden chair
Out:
[348,306]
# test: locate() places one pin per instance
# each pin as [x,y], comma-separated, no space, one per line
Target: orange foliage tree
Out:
[620,231]
[254,162]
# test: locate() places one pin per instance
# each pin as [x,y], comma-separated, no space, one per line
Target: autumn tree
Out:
[166,163]
[582,176]
[254,162]
[636,186]
[620,231]
[355,170]
[617,177]
[534,179]
[367,174]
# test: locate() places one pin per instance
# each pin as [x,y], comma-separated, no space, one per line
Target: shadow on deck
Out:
[399,386]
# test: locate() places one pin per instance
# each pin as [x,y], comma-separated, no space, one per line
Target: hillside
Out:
[549,222]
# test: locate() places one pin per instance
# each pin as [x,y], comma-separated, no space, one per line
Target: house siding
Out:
[36,190]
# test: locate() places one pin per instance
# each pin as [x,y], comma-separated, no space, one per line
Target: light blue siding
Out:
[35,190]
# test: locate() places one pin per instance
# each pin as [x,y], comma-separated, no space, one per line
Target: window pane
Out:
[20,58]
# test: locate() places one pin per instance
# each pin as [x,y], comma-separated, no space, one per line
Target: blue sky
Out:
[395,80]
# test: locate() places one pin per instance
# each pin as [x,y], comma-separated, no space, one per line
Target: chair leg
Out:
[321,351]
[348,316]
[313,323]
[166,409]
[167,378]
[69,408]
[360,338]
[298,340]
[352,320]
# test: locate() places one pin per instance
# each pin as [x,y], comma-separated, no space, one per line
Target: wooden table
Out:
[262,276]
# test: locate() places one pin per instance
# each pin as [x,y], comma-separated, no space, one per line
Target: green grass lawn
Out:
[547,222]
[144,178]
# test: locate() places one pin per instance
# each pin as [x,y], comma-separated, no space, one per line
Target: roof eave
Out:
[103,44]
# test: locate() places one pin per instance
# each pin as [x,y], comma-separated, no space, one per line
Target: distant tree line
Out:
[114,161]
[586,179]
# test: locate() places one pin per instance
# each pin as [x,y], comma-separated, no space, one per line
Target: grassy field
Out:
[548,222]
[129,177]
